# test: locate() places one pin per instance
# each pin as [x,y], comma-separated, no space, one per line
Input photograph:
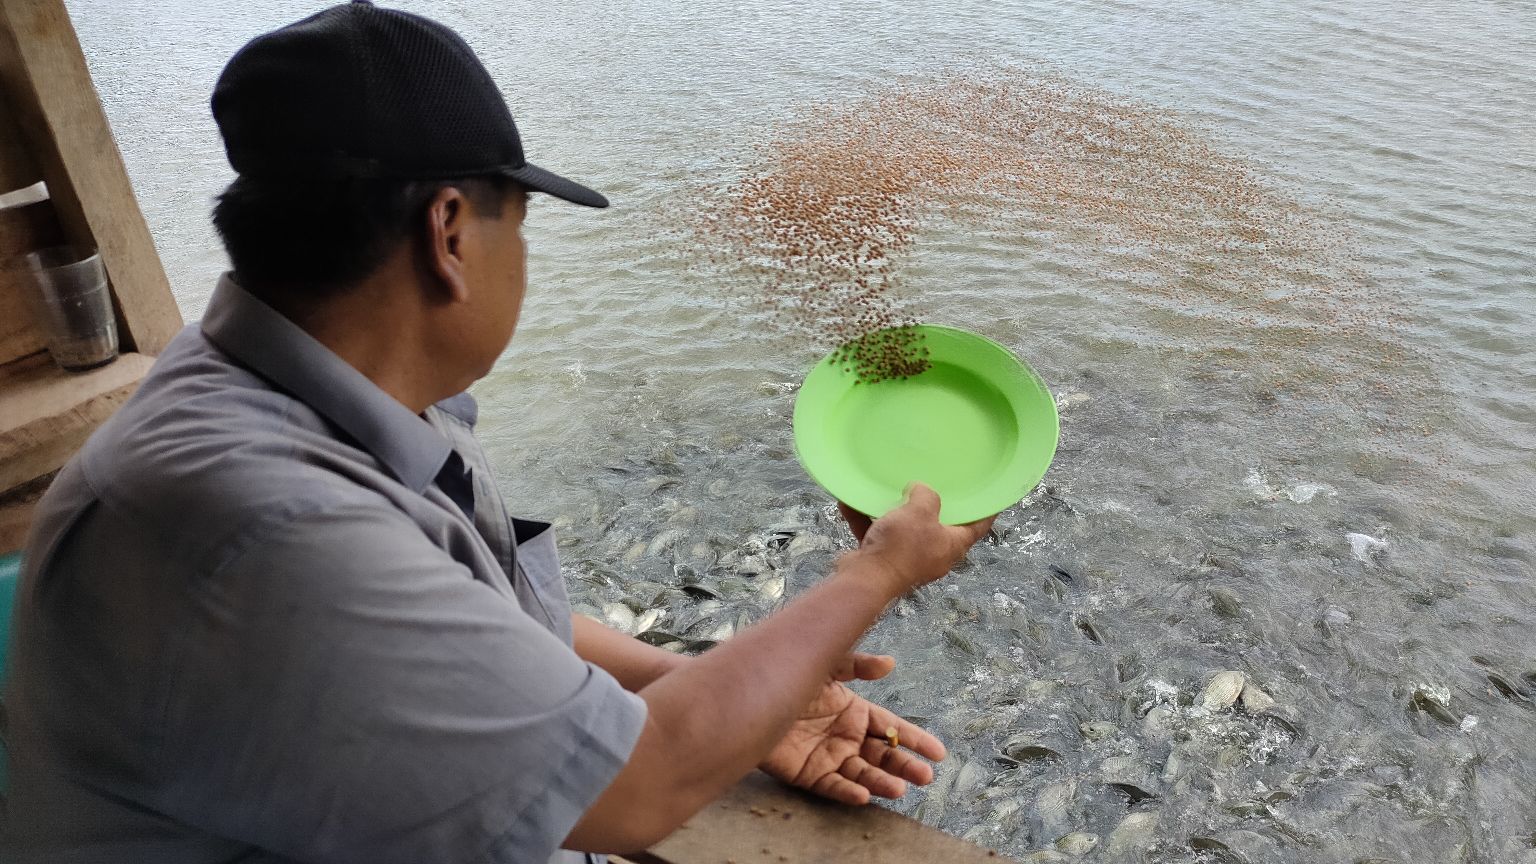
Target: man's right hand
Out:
[909,543]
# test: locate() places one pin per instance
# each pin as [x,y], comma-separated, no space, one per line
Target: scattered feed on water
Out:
[819,228]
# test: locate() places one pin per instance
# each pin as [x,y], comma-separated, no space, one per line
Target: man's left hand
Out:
[838,748]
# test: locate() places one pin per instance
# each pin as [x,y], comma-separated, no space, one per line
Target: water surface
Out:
[1345,548]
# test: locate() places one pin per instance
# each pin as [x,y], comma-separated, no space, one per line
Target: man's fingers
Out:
[858,523]
[878,782]
[839,788]
[872,667]
[865,667]
[844,669]
[912,736]
[974,531]
[923,498]
[896,762]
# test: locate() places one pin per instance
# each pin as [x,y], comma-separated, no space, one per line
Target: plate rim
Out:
[798,420]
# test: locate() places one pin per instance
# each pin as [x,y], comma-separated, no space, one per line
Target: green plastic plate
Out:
[978,426]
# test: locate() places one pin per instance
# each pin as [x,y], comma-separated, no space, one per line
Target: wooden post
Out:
[49,88]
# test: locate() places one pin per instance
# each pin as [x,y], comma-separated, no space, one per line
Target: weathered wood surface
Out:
[48,88]
[47,413]
[761,821]
[52,128]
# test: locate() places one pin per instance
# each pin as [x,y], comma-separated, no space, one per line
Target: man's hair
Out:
[322,236]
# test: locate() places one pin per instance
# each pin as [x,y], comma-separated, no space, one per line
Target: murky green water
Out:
[1196,520]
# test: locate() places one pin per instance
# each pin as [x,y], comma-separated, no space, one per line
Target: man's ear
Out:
[448,218]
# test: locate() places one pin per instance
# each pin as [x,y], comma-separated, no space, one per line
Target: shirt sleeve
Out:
[348,692]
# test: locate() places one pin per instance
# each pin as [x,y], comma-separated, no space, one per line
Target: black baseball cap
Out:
[359,91]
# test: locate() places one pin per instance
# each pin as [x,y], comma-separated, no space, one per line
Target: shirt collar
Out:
[270,345]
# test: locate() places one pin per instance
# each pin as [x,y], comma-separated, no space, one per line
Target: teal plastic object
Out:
[10,573]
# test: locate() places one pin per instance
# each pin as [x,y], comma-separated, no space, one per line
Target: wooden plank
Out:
[46,81]
[22,230]
[761,820]
[46,412]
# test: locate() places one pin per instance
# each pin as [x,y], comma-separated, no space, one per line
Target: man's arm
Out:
[632,662]
[712,719]
[635,664]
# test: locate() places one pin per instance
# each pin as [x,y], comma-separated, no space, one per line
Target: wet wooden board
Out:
[797,828]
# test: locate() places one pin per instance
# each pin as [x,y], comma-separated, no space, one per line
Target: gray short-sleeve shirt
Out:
[253,626]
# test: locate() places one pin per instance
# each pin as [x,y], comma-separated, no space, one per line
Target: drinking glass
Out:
[74,306]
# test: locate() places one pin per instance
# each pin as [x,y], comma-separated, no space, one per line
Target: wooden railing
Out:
[763,822]
[52,129]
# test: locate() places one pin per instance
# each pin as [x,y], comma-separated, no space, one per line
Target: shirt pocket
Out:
[538,569]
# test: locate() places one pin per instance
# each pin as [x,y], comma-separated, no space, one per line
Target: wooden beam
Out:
[48,86]
[761,821]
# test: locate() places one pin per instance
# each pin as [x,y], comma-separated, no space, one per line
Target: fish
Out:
[1134,832]
[1222,691]
[619,617]
[1255,700]
[1078,843]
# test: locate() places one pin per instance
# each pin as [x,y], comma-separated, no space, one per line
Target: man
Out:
[275,609]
